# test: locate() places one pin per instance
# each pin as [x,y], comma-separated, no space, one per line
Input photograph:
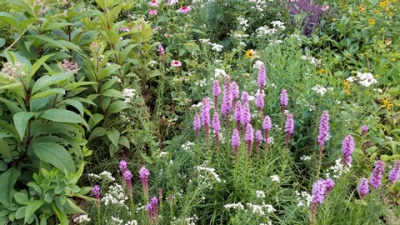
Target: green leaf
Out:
[21,122]
[117,107]
[63,116]
[31,208]
[35,67]
[12,106]
[2,42]
[7,181]
[46,81]
[20,213]
[64,45]
[124,141]
[74,103]
[113,135]
[61,215]
[4,149]
[95,119]
[105,72]
[21,198]
[49,92]
[71,208]
[8,19]
[112,93]
[97,132]
[11,86]
[54,154]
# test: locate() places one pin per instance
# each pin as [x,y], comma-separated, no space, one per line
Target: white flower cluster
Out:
[205,41]
[305,158]
[304,199]
[275,178]
[162,154]
[243,23]
[128,93]
[338,169]
[201,83]
[187,221]
[260,194]
[259,209]
[81,219]
[275,42]
[366,79]
[219,73]
[268,223]
[211,171]
[321,90]
[278,24]
[216,47]
[187,146]
[107,176]
[311,59]
[234,206]
[115,196]
[259,5]
[265,30]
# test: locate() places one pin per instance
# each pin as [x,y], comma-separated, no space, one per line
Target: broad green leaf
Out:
[20,213]
[4,149]
[9,19]
[109,70]
[53,25]
[124,141]
[112,93]
[12,106]
[64,45]
[54,154]
[71,208]
[46,81]
[21,122]
[74,103]
[117,106]
[95,119]
[35,67]
[7,181]
[2,42]
[38,103]
[63,116]
[61,215]
[31,208]
[21,198]
[97,132]
[113,135]
[49,92]
[11,86]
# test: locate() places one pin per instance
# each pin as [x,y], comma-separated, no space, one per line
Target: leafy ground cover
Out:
[199,112]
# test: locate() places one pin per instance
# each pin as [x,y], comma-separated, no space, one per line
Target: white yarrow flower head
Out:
[275,178]
[366,79]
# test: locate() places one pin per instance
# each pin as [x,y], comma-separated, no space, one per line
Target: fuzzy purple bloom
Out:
[329,183]
[377,174]
[262,76]
[267,125]
[313,14]
[323,128]
[394,174]
[238,111]
[160,49]
[215,123]
[227,99]
[245,97]
[348,146]
[364,129]
[96,191]
[123,165]
[259,136]
[154,205]
[260,101]
[363,188]
[205,112]
[235,142]
[289,125]
[245,117]
[149,209]
[196,123]
[284,98]
[216,88]
[127,176]
[234,90]
[318,192]
[249,134]
[144,173]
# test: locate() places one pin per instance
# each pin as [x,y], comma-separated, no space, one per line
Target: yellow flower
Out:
[387,103]
[246,74]
[347,92]
[371,21]
[321,71]
[361,8]
[394,1]
[376,11]
[249,53]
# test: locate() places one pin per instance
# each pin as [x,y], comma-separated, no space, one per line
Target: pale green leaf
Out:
[7,181]
[54,154]
[46,81]
[63,116]
[31,208]
[49,92]
[21,122]
[113,135]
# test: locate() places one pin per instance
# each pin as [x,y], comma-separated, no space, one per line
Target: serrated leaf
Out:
[113,135]
[54,154]
[63,116]
[21,122]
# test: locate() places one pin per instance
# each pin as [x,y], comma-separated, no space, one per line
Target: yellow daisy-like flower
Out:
[361,8]
[371,21]
[249,53]
[321,71]
[387,103]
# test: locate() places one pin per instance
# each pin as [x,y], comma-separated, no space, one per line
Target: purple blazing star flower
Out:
[284,99]
[394,174]
[323,128]
[245,117]
[348,146]
[235,142]
[363,188]
[260,101]
[215,123]
[234,91]
[238,112]
[329,183]
[289,125]
[267,125]
[245,97]
[205,112]
[216,88]
[318,192]
[377,174]
[160,49]
[123,165]
[96,191]
[262,76]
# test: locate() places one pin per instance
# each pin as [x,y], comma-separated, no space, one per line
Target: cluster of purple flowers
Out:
[152,209]
[313,12]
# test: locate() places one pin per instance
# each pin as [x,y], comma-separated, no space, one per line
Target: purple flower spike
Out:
[227,99]
[205,112]
[144,178]
[329,183]
[364,129]
[323,128]
[318,192]
[289,125]
[234,91]
[96,191]
[260,101]
[249,138]
[123,165]
[377,174]
[245,117]
[245,97]
[196,122]
[238,111]
[258,136]
[149,209]
[348,146]
[267,125]
[262,76]
[363,188]
[215,123]
[394,174]
[284,98]
[160,49]
[216,88]
[154,206]
[235,142]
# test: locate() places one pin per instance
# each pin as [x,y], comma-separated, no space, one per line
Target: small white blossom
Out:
[260,194]
[275,178]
